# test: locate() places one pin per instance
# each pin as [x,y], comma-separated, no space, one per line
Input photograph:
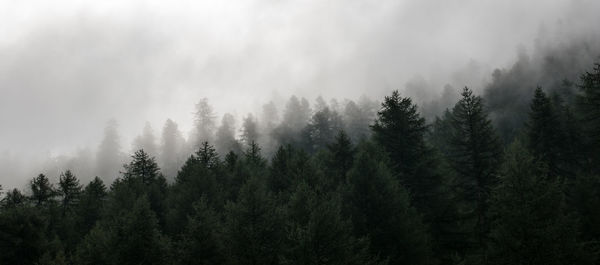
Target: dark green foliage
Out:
[531,224]
[318,234]
[254,226]
[544,132]
[588,106]
[69,190]
[201,241]
[129,238]
[322,128]
[142,167]
[22,234]
[42,190]
[380,209]
[341,157]
[474,154]
[13,199]
[90,205]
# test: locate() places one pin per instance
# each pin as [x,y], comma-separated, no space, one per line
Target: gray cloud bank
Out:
[66,67]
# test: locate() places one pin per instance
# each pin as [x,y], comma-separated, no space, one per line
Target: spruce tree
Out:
[588,106]
[254,226]
[531,222]
[42,190]
[544,132]
[380,209]
[474,154]
[69,189]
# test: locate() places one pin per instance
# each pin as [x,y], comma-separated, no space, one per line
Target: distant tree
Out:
[171,155]
[69,190]
[322,128]
[225,138]
[146,141]
[253,157]
[475,155]
[358,117]
[204,122]
[142,167]
[13,199]
[42,190]
[249,130]
[380,209]
[531,222]
[109,157]
[254,226]
[296,115]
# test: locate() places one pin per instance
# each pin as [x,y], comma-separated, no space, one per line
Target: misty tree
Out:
[146,141]
[204,122]
[322,128]
[69,190]
[474,155]
[358,117]
[142,167]
[296,115]
[225,138]
[13,198]
[91,202]
[171,155]
[109,157]
[249,130]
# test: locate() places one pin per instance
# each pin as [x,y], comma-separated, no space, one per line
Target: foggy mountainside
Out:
[282,132]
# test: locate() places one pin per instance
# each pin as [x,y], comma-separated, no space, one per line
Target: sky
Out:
[67,67]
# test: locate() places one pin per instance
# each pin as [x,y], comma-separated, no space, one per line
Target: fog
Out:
[69,67]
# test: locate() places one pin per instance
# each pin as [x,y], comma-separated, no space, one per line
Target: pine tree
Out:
[318,234]
[13,199]
[142,167]
[474,156]
[90,205]
[201,241]
[42,190]
[254,226]
[531,224]
[130,238]
[341,156]
[544,132]
[588,106]
[69,189]
[380,209]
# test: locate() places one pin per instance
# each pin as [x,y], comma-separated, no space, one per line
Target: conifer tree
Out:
[90,204]
[254,226]
[474,155]
[544,132]
[42,190]
[588,106]
[531,223]
[69,189]
[380,209]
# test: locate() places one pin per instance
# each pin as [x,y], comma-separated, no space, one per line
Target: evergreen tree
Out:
[13,199]
[142,167]
[254,226]
[201,241]
[69,189]
[341,156]
[588,106]
[380,209]
[318,234]
[531,224]
[225,139]
[22,234]
[42,190]
[249,130]
[322,129]
[474,156]
[90,205]
[171,156]
[544,132]
[130,238]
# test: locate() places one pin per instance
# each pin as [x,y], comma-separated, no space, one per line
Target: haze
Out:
[67,67]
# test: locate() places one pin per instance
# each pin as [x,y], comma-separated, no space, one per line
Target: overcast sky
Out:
[66,67]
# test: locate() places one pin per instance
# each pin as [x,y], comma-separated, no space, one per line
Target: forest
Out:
[374,183]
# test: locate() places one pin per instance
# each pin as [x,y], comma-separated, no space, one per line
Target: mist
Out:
[69,68]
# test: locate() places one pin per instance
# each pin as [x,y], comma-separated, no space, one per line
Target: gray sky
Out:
[66,67]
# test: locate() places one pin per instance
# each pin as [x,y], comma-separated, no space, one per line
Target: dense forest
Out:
[366,183]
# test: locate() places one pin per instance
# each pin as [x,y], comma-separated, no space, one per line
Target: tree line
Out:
[405,192]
